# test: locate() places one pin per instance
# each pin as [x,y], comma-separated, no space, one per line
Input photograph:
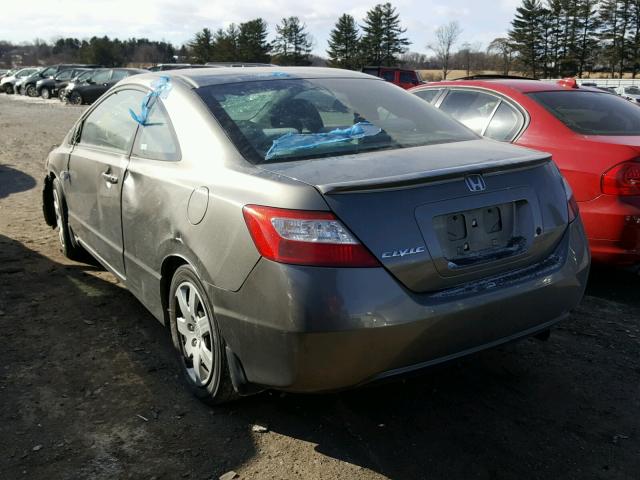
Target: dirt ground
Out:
[89,387]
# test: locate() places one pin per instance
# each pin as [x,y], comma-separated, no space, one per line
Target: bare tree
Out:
[503,48]
[446,37]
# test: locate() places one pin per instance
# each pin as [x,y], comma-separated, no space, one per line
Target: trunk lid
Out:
[443,215]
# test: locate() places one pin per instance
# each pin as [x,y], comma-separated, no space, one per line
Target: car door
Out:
[149,194]
[95,173]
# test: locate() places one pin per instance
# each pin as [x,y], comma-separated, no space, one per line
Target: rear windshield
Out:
[292,119]
[592,113]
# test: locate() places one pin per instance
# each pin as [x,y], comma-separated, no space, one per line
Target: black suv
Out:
[95,85]
[29,85]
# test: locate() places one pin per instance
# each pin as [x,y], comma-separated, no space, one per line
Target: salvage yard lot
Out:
[89,387]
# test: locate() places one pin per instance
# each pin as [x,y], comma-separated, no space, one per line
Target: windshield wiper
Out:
[292,142]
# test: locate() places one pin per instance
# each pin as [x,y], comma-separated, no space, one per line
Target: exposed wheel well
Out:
[47,201]
[169,267]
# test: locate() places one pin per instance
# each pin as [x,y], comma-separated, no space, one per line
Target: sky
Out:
[177,20]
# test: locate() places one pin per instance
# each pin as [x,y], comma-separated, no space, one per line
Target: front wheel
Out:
[45,93]
[68,245]
[31,91]
[197,339]
[75,99]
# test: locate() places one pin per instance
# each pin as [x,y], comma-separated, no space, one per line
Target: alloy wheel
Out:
[194,328]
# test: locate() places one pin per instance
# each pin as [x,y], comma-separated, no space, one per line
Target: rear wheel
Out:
[197,339]
[68,245]
[75,99]
[45,93]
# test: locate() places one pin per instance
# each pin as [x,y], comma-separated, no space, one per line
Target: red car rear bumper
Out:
[613,226]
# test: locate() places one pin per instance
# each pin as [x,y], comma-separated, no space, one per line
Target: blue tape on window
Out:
[160,88]
[292,142]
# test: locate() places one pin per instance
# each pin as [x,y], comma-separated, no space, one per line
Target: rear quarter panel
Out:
[192,208]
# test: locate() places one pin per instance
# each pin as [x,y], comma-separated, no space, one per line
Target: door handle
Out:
[109,178]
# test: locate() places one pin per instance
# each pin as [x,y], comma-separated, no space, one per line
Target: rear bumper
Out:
[309,329]
[613,226]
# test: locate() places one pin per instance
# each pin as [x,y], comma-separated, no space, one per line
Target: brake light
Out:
[572,205]
[622,179]
[304,237]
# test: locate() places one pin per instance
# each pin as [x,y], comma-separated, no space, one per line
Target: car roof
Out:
[522,86]
[202,77]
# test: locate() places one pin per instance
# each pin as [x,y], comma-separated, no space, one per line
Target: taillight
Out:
[304,237]
[623,179]
[572,205]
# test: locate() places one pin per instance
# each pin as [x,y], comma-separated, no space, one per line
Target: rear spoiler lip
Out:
[418,178]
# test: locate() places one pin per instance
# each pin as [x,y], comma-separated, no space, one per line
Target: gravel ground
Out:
[89,387]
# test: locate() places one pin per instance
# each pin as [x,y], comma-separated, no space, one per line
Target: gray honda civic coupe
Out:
[313,229]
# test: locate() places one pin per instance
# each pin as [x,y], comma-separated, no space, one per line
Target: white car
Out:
[8,83]
[629,93]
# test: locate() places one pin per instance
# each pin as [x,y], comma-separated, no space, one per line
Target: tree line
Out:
[379,40]
[559,38]
[547,38]
[97,50]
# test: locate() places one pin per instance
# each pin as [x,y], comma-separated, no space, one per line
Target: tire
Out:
[45,93]
[30,91]
[9,90]
[196,334]
[75,99]
[68,244]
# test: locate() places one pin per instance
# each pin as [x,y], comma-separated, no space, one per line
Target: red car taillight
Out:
[304,237]
[572,205]
[623,179]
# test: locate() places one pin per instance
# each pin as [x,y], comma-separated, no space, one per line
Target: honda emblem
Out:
[475,183]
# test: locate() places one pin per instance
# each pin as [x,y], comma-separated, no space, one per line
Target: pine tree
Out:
[293,44]
[526,35]
[202,46]
[587,39]
[609,33]
[252,41]
[344,44]
[225,44]
[635,38]
[373,37]
[393,41]
[383,40]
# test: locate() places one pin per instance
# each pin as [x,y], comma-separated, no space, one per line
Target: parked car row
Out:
[73,83]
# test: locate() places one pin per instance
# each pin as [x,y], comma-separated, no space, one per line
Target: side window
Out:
[110,125]
[389,75]
[66,75]
[156,140]
[470,108]
[119,75]
[408,77]
[428,94]
[102,76]
[505,124]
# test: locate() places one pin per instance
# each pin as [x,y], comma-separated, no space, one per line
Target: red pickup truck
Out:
[399,76]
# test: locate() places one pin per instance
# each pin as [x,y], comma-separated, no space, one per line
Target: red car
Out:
[594,137]
[399,76]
